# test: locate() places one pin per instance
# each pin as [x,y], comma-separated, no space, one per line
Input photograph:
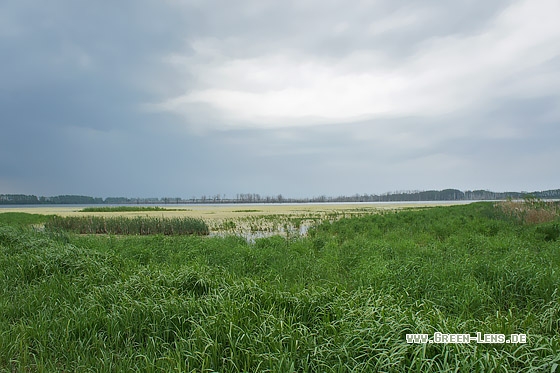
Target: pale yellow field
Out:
[245,219]
[231,211]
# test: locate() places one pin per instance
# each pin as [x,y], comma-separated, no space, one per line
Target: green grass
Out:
[340,300]
[127,209]
[22,218]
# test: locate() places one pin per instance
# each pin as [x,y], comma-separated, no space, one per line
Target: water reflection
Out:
[252,235]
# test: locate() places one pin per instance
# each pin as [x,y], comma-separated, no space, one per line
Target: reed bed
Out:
[121,225]
[129,209]
[531,210]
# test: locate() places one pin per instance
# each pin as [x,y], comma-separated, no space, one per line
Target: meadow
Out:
[340,298]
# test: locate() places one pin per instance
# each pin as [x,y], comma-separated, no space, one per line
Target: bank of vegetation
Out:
[341,299]
[129,209]
[120,225]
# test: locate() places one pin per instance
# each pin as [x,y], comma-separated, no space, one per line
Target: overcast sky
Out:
[152,98]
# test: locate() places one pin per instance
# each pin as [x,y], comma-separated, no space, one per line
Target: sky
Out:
[184,98]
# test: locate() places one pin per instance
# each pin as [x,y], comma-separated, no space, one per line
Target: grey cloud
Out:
[333,28]
[80,81]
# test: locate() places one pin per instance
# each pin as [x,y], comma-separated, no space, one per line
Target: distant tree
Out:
[18,199]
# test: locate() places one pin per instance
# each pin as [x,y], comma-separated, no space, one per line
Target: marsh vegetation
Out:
[120,225]
[339,299]
[129,209]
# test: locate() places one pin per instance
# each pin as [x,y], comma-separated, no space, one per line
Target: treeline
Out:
[398,196]
[23,199]
[438,195]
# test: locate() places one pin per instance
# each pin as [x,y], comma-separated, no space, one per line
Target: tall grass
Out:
[128,226]
[531,210]
[340,300]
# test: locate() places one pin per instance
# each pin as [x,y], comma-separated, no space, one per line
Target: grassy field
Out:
[340,299]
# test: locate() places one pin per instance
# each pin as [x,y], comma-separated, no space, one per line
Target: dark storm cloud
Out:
[83,57]
[184,98]
[74,75]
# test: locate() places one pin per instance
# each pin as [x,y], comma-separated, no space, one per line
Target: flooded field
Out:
[248,220]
